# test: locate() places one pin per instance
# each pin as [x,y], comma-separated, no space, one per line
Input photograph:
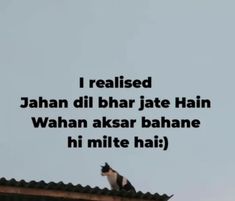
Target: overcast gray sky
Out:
[186,46]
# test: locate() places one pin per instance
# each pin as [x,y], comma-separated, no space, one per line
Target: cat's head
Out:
[105,170]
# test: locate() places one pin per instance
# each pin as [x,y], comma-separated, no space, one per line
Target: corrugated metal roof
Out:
[82,189]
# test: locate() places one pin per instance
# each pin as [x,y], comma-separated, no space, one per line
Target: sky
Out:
[187,47]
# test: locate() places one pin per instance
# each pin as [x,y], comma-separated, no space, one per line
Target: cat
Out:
[116,181]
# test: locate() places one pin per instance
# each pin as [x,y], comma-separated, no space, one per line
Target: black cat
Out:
[116,181]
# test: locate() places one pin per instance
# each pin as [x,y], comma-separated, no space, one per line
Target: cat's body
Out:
[116,181]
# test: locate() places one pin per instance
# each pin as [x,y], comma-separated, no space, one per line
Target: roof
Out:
[57,191]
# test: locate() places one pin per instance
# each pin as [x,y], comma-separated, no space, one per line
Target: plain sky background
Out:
[187,47]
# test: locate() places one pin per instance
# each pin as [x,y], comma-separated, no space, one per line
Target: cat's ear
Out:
[106,164]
